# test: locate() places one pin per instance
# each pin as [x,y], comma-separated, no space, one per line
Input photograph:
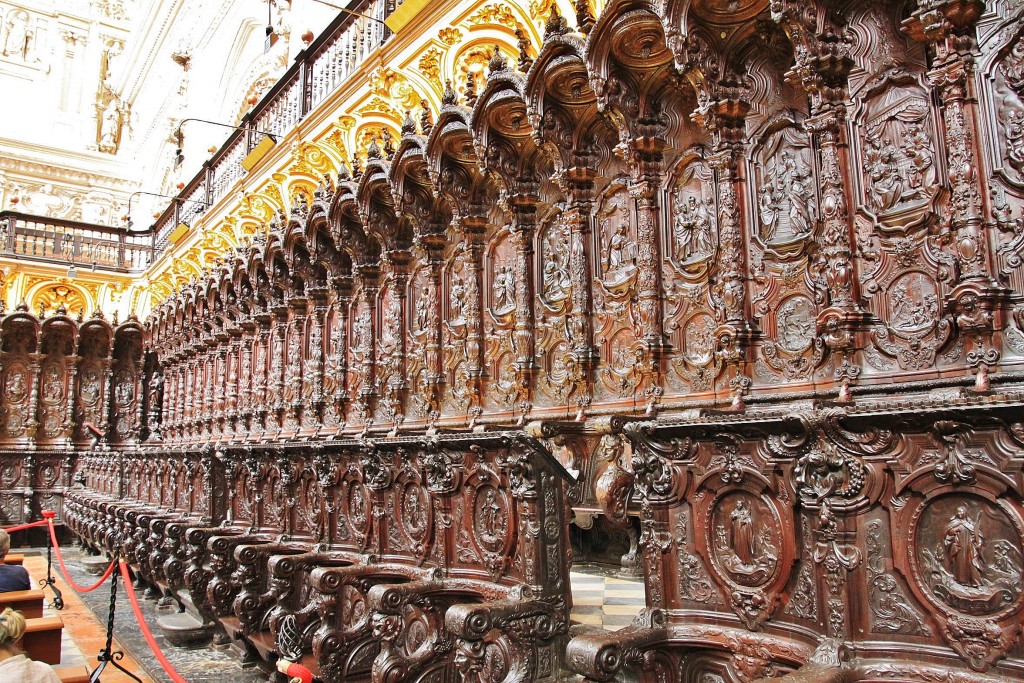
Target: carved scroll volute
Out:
[746,532]
[960,550]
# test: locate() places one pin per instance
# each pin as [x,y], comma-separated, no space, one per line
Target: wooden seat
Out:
[73,674]
[29,603]
[41,641]
[14,558]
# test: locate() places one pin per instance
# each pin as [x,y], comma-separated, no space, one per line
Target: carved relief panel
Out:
[389,370]
[616,321]
[53,413]
[460,309]
[690,314]
[423,352]
[500,303]
[898,152]
[17,378]
[556,380]
[361,357]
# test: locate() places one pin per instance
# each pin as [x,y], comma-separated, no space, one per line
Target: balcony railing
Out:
[317,72]
[64,242]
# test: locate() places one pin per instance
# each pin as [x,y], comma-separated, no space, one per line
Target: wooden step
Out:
[41,641]
[73,674]
[29,603]
[14,558]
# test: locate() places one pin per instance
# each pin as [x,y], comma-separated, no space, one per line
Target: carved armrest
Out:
[390,598]
[330,580]
[600,657]
[288,565]
[537,619]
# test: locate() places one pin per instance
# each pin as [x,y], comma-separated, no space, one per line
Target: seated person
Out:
[14,665]
[12,577]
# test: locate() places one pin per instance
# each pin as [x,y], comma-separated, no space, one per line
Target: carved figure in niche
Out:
[457,300]
[795,324]
[914,302]
[504,290]
[917,153]
[1013,124]
[970,555]
[745,544]
[886,186]
[424,305]
[361,336]
[357,506]
[124,390]
[415,513]
[16,43]
[693,228]
[620,258]
[90,386]
[110,127]
[556,270]
[490,516]
[389,336]
[16,384]
[963,543]
[741,533]
[787,205]
[53,384]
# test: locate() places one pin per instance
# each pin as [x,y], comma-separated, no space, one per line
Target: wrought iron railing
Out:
[317,72]
[23,236]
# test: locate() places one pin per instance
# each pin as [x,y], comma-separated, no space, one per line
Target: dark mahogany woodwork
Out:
[747,275]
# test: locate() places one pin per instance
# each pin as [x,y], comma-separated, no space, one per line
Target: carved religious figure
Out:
[490,515]
[963,544]
[787,204]
[620,256]
[457,300]
[17,39]
[886,185]
[504,290]
[741,533]
[693,228]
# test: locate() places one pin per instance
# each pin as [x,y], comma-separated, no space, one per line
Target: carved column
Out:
[579,189]
[473,228]
[343,288]
[364,401]
[69,415]
[35,379]
[434,246]
[645,160]
[315,365]
[524,206]
[948,27]
[822,69]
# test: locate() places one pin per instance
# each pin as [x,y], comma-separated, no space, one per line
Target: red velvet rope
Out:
[295,672]
[20,527]
[64,569]
[175,676]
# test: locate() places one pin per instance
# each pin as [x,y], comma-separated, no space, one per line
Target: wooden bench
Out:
[29,603]
[73,674]
[41,641]
[14,558]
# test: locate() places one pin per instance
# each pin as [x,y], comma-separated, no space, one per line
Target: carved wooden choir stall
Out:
[748,273]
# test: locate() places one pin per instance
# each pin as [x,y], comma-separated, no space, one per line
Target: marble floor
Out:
[601,597]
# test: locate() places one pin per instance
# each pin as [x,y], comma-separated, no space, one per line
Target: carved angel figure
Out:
[621,254]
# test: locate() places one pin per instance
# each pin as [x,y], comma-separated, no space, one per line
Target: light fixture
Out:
[178,233]
[261,150]
[262,146]
[128,216]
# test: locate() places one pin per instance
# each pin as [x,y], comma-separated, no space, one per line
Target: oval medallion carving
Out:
[490,518]
[968,555]
[746,539]
[415,512]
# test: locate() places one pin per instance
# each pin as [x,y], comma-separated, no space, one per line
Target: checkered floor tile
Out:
[602,598]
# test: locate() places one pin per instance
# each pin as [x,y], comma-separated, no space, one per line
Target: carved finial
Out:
[22,306]
[525,61]
[471,89]
[426,118]
[62,309]
[556,24]
[497,62]
[449,96]
[408,125]
[373,151]
[344,175]
[584,17]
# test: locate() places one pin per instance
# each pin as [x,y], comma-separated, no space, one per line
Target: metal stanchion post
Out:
[107,655]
